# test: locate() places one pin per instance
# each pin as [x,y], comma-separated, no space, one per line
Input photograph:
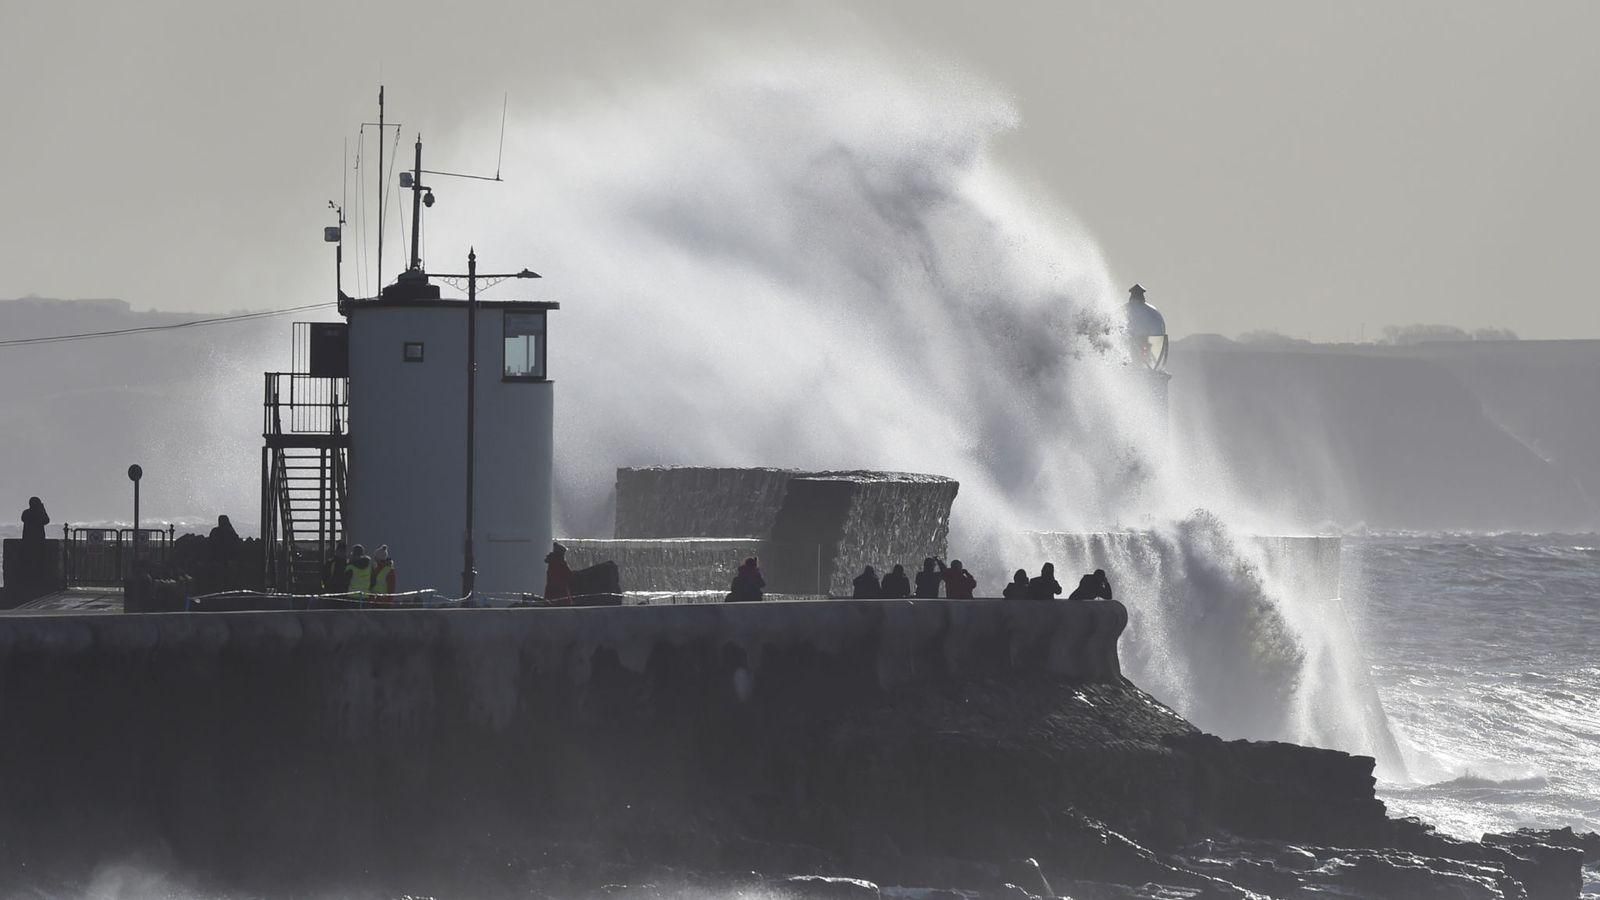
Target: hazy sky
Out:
[1312,168]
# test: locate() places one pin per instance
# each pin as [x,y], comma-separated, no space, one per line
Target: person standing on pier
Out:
[358,574]
[34,519]
[896,584]
[866,586]
[335,575]
[958,582]
[223,546]
[34,551]
[557,576]
[748,583]
[929,579]
[1018,588]
[383,579]
[1045,587]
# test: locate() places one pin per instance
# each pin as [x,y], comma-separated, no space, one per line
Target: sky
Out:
[1316,169]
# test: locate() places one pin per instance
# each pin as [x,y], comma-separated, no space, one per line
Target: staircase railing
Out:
[304,494]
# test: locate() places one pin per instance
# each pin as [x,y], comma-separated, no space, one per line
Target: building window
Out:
[524,334]
[412,352]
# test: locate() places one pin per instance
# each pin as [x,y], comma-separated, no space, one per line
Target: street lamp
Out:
[469,569]
[135,472]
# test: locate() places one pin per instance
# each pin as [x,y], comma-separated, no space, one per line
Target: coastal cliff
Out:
[553,751]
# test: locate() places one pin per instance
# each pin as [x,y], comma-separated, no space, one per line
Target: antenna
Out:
[505,101]
[382,124]
[380,187]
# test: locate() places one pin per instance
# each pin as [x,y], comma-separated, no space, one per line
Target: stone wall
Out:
[29,572]
[667,564]
[698,502]
[833,524]
[820,528]
[264,743]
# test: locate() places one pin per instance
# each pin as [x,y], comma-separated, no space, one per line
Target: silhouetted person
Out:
[929,579]
[358,574]
[896,584]
[35,554]
[747,583]
[383,574]
[867,586]
[335,580]
[223,546]
[958,582]
[1018,588]
[1045,587]
[1092,586]
[557,576]
[34,519]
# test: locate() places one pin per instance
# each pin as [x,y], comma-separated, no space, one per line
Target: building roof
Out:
[353,303]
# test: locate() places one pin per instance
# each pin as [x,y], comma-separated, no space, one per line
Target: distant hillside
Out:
[185,404]
[1461,434]
[1467,435]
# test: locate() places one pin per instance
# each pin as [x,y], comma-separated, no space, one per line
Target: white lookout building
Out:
[379,436]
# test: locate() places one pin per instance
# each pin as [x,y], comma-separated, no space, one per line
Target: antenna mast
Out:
[380,187]
[416,208]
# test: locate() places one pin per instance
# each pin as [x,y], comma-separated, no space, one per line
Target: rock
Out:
[601,579]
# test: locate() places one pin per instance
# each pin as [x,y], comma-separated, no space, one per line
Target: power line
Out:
[217,320]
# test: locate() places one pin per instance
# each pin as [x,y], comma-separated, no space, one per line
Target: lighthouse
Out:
[1147,344]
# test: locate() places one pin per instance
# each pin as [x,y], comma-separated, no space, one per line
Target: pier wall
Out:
[361,737]
[818,528]
[667,564]
[27,572]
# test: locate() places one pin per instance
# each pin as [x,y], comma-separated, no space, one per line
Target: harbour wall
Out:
[337,738]
[667,564]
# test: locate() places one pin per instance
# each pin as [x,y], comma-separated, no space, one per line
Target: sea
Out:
[1485,652]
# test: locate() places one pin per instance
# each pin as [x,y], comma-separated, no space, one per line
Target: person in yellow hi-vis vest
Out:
[358,575]
[382,571]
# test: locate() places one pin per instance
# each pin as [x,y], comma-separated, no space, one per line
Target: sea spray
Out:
[822,266]
[1246,636]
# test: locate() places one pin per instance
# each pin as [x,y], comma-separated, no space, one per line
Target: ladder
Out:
[304,458]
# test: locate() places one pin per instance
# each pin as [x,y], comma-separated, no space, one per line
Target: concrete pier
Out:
[238,740]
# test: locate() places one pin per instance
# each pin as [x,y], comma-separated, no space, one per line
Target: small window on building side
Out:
[412,351]
[524,336]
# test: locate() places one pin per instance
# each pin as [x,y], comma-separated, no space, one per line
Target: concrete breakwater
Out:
[245,740]
[551,752]
[817,529]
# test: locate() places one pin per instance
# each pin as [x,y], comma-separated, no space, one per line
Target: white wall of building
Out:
[408,450]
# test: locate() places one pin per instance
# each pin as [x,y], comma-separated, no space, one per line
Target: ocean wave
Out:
[1474,781]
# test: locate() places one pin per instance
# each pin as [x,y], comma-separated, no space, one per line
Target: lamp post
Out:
[135,472]
[469,568]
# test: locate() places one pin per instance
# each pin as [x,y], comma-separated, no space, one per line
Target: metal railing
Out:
[304,404]
[105,556]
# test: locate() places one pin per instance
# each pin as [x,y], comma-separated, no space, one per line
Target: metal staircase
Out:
[305,449]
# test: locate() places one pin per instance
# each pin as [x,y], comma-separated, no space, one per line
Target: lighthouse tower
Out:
[1147,344]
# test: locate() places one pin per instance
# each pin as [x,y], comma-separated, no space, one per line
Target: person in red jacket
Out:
[557,576]
[958,582]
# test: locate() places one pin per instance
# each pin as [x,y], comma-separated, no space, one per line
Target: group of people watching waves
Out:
[956,581]
[354,572]
[1046,587]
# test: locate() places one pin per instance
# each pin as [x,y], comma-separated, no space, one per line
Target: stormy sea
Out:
[1482,650]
